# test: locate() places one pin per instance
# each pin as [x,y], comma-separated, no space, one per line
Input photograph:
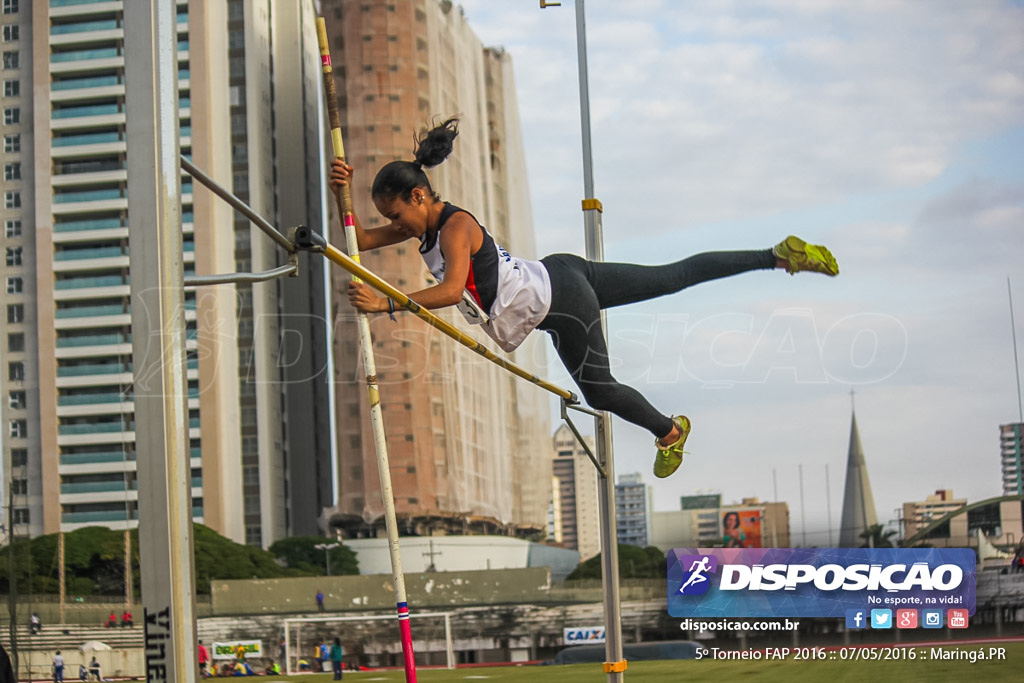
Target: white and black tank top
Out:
[514,293]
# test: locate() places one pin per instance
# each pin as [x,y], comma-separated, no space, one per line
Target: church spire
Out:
[858,503]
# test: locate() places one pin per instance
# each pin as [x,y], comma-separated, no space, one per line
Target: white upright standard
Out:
[158,341]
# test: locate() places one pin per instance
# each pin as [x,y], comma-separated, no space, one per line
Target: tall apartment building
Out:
[631,521]
[247,108]
[576,479]
[1011,457]
[467,441]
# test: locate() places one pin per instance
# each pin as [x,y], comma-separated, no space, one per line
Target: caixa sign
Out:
[587,635]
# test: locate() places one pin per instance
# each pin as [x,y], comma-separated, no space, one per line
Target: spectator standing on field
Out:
[320,601]
[336,655]
[58,668]
[94,669]
[204,660]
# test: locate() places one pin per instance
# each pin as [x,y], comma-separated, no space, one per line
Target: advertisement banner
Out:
[228,649]
[586,635]
[818,582]
[741,529]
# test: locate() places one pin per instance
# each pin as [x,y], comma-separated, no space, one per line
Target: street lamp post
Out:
[327,548]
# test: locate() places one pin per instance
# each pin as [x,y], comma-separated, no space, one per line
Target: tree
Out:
[634,563]
[94,562]
[875,536]
[300,552]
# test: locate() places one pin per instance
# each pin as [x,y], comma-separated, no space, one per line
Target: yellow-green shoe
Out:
[799,255]
[670,457]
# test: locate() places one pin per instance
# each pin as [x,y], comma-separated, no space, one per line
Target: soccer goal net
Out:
[367,641]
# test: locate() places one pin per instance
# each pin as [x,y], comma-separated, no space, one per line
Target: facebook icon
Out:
[856,618]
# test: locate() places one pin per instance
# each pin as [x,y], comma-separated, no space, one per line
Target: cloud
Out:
[741,109]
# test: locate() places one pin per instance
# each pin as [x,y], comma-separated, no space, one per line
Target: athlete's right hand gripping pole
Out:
[366,346]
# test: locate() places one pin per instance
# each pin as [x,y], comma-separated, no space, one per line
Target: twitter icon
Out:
[881,618]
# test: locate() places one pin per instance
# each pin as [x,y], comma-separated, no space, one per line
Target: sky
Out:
[889,131]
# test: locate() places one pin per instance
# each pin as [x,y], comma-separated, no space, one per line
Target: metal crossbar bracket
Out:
[579,437]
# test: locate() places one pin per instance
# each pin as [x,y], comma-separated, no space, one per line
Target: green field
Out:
[788,670]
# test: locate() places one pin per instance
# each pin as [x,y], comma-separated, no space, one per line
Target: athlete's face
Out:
[409,216]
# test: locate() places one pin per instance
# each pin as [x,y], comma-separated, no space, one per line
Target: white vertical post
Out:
[158,341]
[448,642]
[606,485]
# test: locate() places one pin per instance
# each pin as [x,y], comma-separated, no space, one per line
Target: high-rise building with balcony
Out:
[1011,457]
[468,442]
[258,404]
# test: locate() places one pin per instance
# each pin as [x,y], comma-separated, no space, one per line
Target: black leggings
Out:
[580,289]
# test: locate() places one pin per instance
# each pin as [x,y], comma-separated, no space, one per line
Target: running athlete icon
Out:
[696,570]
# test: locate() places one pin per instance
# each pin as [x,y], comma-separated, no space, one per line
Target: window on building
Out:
[10,6]
[12,115]
[12,88]
[15,313]
[12,171]
[18,429]
[15,342]
[14,284]
[14,256]
[20,515]
[12,227]
[19,487]
[12,143]
[16,371]
[10,32]
[12,199]
[11,59]
[19,457]
[16,400]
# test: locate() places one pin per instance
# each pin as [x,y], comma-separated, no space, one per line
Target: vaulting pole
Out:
[366,345]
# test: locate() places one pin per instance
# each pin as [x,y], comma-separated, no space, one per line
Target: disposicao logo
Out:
[817,582]
[696,580]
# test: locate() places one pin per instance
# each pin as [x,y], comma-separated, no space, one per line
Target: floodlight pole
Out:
[158,342]
[614,665]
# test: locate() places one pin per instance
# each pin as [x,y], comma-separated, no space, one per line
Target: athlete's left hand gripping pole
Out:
[366,345]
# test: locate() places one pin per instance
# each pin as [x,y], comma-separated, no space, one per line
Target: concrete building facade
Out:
[467,441]
[701,524]
[577,492]
[632,499]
